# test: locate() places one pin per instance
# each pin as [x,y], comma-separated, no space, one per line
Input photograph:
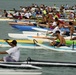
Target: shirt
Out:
[14,52]
[57,29]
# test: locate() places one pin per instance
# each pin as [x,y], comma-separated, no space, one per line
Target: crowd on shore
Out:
[42,10]
[48,16]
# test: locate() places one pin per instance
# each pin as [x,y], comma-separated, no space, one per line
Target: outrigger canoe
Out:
[71,48]
[36,64]
[21,41]
[6,19]
[22,45]
[28,28]
[24,36]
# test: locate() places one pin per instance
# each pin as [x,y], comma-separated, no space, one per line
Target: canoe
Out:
[21,41]
[34,32]
[39,38]
[24,36]
[59,49]
[6,19]
[20,69]
[22,22]
[27,28]
[34,35]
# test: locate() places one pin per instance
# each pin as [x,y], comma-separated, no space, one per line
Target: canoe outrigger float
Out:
[16,68]
[41,63]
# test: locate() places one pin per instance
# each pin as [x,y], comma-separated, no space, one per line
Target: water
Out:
[33,53]
[9,4]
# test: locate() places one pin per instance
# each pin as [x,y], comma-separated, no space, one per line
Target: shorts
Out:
[58,43]
[67,33]
[8,59]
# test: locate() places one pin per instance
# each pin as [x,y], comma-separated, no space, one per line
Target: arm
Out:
[6,40]
[60,42]
[4,52]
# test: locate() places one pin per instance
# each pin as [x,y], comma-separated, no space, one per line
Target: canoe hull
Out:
[29,28]
[23,28]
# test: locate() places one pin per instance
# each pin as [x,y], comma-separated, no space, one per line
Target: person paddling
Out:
[13,52]
[61,39]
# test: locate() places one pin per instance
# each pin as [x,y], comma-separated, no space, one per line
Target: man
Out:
[13,53]
[57,28]
[61,39]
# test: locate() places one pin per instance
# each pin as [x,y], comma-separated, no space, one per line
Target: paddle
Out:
[2,43]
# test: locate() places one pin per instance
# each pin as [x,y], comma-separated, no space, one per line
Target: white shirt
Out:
[14,52]
[28,14]
[57,29]
[54,23]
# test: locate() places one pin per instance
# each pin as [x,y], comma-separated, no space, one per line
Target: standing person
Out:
[61,39]
[13,52]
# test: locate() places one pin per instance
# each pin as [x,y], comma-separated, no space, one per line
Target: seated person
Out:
[13,54]
[60,38]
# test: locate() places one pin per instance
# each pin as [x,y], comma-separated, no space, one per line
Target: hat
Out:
[14,42]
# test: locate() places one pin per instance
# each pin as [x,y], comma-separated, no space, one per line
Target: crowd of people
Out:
[35,10]
[49,16]
[46,16]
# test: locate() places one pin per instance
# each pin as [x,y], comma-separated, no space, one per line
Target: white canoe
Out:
[33,36]
[24,36]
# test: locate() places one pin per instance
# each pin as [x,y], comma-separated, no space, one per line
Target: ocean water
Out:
[9,4]
[43,54]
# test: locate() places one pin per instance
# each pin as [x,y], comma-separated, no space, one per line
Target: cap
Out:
[14,42]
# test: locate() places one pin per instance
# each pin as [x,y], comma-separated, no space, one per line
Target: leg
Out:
[53,43]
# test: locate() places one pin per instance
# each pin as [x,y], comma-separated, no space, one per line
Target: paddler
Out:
[13,52]
[59,37]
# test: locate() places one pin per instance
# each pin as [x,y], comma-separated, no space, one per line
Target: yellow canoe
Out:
[23,41]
